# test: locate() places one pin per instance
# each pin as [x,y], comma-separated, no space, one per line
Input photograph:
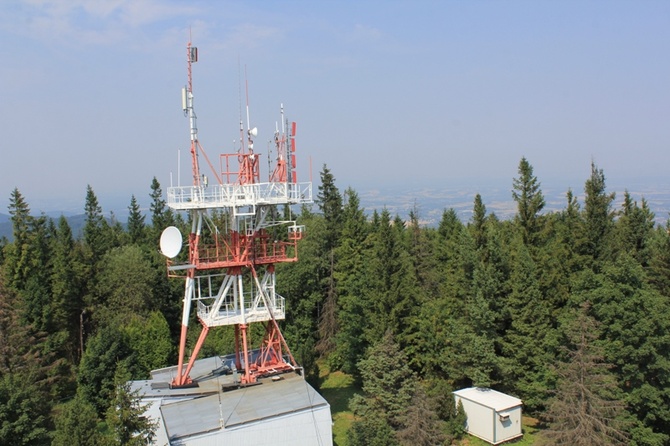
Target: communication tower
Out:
[235,241]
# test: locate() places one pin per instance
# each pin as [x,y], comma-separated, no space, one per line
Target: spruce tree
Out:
[659,268]
[388,386]
[598,215]
[77,425]
[420,424]
[161,215]
[125,415]
[97,235]
[587,409]
[135,222]
[529,343]
[329,200]
[635,229]
[25,399]
[530,202]
[17,258]
[478,222]
[350,278]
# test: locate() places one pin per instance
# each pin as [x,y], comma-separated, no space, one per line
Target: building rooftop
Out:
[217,402]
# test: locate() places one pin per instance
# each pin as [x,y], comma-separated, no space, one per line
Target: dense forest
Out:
[568,310]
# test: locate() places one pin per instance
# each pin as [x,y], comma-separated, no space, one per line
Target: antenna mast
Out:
[231,276]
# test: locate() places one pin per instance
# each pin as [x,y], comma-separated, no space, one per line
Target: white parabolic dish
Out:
[171,242]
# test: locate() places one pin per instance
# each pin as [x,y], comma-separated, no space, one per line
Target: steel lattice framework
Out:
[233,245]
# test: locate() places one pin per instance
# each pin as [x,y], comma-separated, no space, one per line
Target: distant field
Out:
[432,201]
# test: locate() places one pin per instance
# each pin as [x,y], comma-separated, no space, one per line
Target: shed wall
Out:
[479,419]
[509,429]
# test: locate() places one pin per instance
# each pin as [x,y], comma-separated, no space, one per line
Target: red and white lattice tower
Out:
[230,271]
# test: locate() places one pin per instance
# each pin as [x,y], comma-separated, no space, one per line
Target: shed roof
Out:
[489,398]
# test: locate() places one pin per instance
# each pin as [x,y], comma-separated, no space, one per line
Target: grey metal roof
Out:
[197,410]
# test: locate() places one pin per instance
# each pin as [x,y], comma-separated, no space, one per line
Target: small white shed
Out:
[491,415]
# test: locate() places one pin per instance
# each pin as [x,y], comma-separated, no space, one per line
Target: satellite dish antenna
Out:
[171,242]
[253,132]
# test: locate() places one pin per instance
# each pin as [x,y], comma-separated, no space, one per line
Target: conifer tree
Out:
[77,425]
[67,302]
[633,321]
[329,200]
[25,400]
[587,409]
[35,286]
[96,229]
[17,258]
[161,215]
[105,352]
[635,229]
[478,222]
[135,222]
[530,341]
[125,415]
[598,215]
[350,277]
[420,424]
[388,386]
[530,202]
[390,281]
[659,270]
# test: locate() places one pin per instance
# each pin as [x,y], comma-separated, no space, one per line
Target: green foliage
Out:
[125,283]
[105,352]
[149,339]
[77,425]
[634,229]
[420,425]
[530,201]
[587,409]
[531,318]
[24,410]
[598,215]
[97,233]
[484,303]
[136,229]
[25,402]
[388,383]
[478,222]
[634,322]
[372,432]
[329,200]
[125,416]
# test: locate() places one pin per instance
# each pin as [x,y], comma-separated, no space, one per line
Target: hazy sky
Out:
[384,92]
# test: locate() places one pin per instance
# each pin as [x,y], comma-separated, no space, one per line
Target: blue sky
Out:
[387,94]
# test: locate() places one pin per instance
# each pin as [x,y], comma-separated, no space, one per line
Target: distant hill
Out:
[5,226]
[76,223]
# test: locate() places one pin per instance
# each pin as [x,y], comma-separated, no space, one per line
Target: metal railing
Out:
[238,195]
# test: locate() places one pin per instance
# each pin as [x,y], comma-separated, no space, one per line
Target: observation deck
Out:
[236,196]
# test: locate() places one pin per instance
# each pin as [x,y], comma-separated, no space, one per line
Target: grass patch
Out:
[529,427]
[338,388]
